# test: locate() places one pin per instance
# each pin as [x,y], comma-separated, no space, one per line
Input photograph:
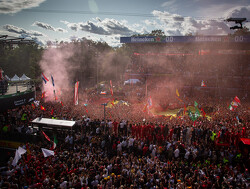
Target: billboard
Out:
[16,100]
[186,39]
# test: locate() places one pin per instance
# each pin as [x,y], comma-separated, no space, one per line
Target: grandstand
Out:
[222,62]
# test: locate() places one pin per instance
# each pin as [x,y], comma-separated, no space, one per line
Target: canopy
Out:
[7,77]
[53,122]
[24,78]
[15,78]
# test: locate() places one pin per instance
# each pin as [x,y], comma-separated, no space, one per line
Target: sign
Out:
[14,101]
[186,39]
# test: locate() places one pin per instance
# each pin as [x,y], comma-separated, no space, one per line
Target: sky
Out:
[108,20]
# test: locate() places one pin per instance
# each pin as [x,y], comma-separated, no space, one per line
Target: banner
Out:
[16,100]
[47,152]
[76,93]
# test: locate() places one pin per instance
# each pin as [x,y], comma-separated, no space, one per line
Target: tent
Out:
[15,78]
[24,78]
[7,77]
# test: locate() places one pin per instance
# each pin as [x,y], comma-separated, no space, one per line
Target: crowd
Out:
[128,151]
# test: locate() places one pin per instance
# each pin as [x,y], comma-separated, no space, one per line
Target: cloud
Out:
[48,27]
[102,27]
[174,24]
[17,30]
[14,6]
[239,11]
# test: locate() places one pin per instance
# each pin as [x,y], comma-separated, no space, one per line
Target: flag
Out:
[61,103]
[46,136]
[113,102]
[111,88]
[43,95]
[203,112]
[196,114]
[19,152]
[236,99]
[33,106]
[195,104]
[177,92]
[47,152]
[145,108]
[150,104]
[76,93]
[55,142]
[185,109]
[179,99]
[52,79]
[203,84]
[234,104]
[16,158]
[42,108]
[36,102]
[231,107]
[85,106]
[190,114]
[45,79]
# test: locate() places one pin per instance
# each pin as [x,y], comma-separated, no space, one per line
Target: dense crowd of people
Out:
[131,148]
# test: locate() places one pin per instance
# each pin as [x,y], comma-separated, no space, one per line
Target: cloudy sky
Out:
[108,20]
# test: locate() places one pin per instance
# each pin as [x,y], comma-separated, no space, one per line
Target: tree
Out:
[158,33]
[243,31]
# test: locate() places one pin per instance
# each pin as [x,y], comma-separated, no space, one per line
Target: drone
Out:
[237,21]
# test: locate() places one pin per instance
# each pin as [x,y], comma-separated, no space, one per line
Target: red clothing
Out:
[115,127]
[171,134]
[133,130]
[144,150]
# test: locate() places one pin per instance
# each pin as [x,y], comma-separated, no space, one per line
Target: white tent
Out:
[7,77]
[15,78]
[24,78]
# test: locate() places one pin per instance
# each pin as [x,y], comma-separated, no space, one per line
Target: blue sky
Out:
[108,20]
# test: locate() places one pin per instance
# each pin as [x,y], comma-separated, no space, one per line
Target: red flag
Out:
[42,108]
[61,103]
[185,109]
[85,109]
[179,99]
[76,93]
[145,108]
[203,112]
[46,136]
[43,95]
[111,88]
[236,99]
[33,106]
